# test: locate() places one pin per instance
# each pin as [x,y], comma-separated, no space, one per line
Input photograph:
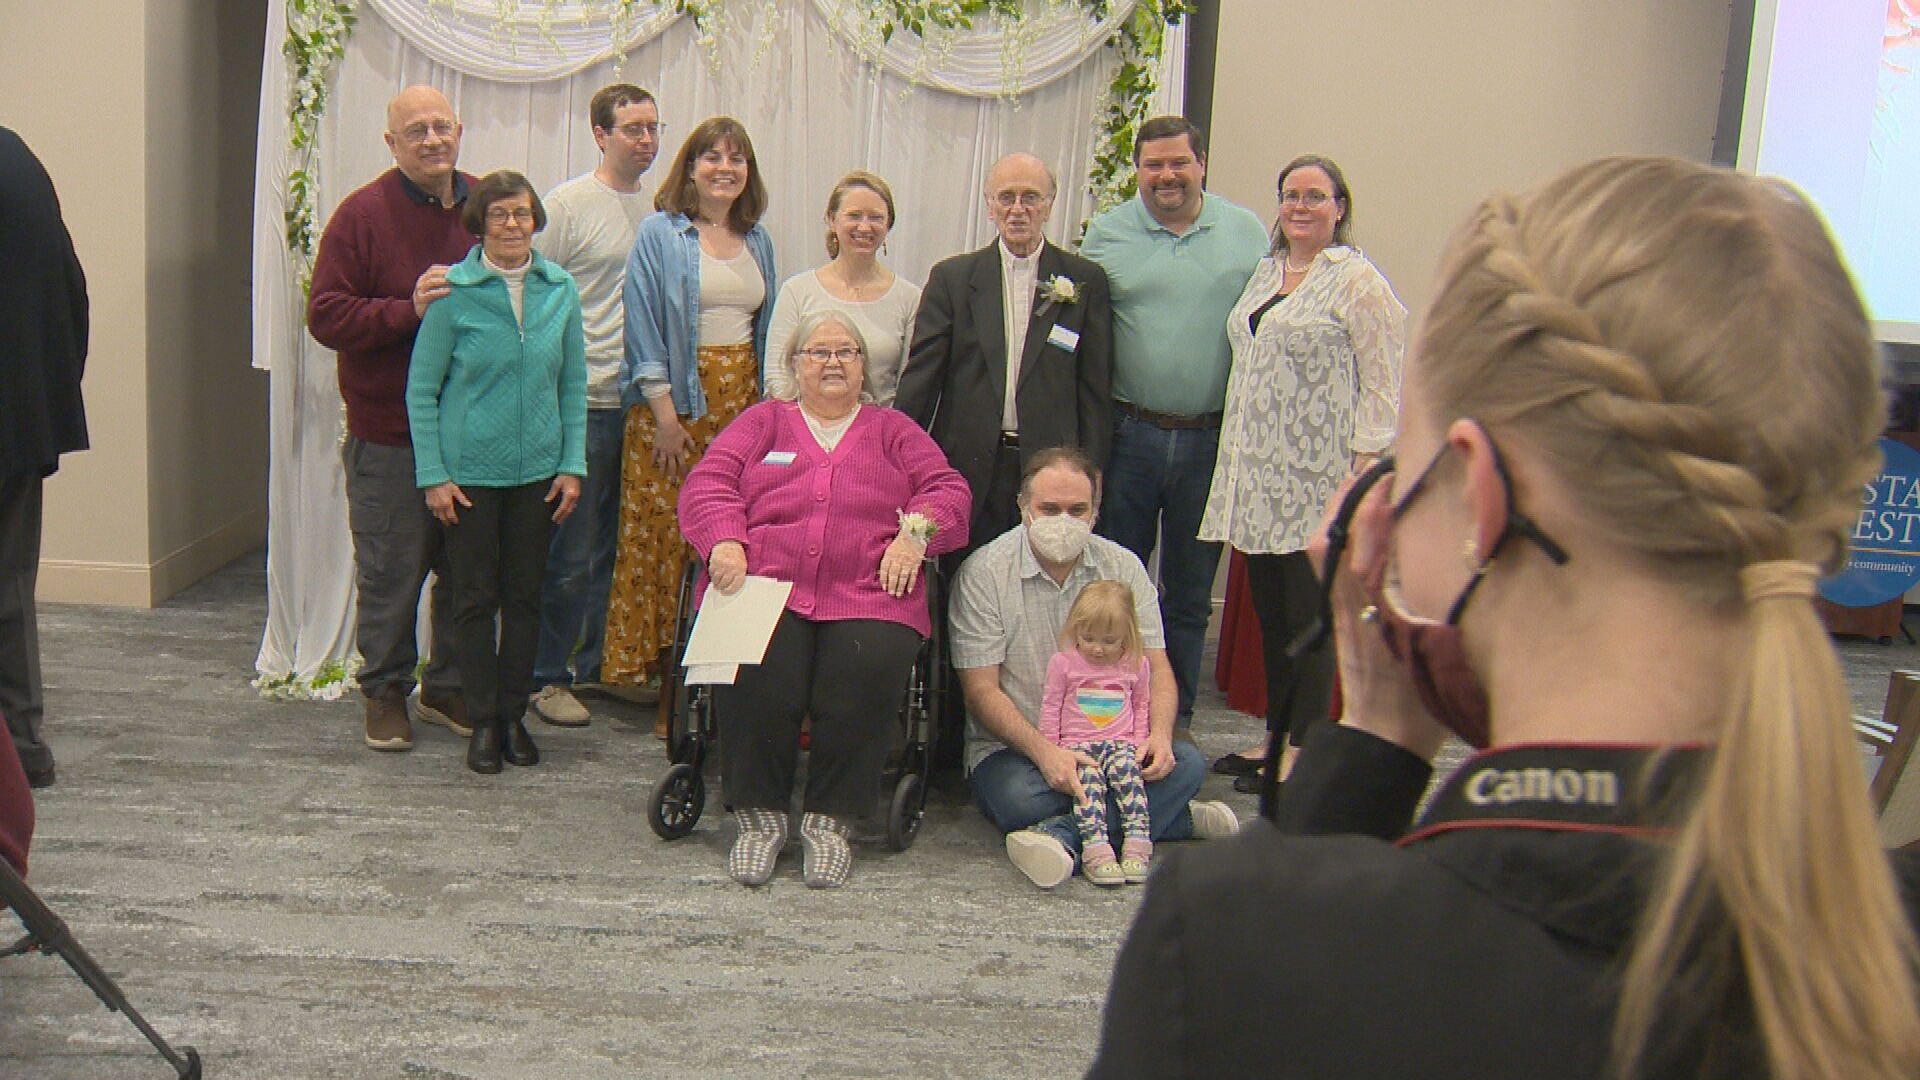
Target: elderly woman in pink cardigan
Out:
[846,501]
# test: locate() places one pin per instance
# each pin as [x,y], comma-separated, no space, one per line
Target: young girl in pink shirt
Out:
[1096,704]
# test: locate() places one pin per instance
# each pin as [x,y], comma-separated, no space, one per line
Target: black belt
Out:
[1171,421]
[1010,440]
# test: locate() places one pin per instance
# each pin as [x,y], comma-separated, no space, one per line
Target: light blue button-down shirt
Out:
[662,302]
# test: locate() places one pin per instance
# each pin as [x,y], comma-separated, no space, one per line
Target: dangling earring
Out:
[883,247]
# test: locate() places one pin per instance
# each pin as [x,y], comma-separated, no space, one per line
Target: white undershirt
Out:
[1019,277]
[828,433]
[731,291]
[516,284]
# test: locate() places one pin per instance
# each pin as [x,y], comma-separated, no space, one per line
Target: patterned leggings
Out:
[1119,769]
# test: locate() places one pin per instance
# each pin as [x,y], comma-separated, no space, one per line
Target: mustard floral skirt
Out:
[646,568]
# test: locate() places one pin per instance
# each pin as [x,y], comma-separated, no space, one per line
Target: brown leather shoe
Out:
[447,708]
[387,726]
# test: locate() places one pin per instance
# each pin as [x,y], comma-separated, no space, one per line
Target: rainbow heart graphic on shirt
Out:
[1101,705]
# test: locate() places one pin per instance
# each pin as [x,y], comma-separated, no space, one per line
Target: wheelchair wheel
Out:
[906,812]
[677,802]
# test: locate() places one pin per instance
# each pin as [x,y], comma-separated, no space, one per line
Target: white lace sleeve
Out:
[1377,324]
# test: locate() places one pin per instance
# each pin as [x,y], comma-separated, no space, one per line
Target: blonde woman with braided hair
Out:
[1633,433]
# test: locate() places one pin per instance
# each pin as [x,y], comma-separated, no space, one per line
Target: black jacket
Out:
[955,377]
[43,320]
[1478,949]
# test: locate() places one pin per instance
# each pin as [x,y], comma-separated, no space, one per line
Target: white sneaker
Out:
[1212,820]
[557,706]
[1044,860]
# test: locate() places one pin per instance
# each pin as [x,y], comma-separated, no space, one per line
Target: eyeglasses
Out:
[1518,524]
[636,132]
[846,354]
[415,134]
[500,215]
[1029,200]
[1312,200]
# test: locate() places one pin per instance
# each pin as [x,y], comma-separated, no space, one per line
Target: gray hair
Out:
[804,332]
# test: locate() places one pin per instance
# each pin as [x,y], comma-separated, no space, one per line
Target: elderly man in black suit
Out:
[43,349]
[991,407]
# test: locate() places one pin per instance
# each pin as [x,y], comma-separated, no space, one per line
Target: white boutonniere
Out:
[1060,289]
[918,527]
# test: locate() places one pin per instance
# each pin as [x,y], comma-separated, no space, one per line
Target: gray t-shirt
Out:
[1006,610]
[590,230]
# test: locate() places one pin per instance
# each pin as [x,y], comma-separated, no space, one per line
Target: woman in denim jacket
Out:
[699,295]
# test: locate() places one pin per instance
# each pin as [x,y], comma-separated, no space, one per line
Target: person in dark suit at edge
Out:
[43,353]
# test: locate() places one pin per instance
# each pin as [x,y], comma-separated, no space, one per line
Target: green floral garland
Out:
[317,33]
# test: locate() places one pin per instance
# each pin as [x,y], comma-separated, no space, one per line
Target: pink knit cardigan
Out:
[823,520]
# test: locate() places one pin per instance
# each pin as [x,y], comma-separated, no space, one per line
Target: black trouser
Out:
[851,676]
[497,557]
[999,508]
[1286,597]
[20,689]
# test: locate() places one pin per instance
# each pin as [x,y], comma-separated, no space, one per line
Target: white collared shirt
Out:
[1019,277]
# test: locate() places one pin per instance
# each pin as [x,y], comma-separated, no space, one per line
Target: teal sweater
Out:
[493,404]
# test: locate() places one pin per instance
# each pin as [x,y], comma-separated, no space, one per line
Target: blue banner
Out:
[1885,558]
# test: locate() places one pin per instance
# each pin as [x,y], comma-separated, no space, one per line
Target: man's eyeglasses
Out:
[636,132]
[1030,200]
[415,134]
[500,215]
[1312,200]
[846,354]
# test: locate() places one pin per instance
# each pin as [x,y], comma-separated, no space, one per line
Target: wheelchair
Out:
[680,796]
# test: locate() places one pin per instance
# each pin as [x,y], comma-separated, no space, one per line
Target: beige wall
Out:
[144,116]
[1429,106]
[206,406]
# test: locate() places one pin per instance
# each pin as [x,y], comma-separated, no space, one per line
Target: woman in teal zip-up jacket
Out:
[497,400]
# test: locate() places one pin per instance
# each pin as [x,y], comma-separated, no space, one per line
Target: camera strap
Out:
[1635,790]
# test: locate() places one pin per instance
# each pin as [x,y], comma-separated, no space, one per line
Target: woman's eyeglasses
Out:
[844,355]
[1312,200]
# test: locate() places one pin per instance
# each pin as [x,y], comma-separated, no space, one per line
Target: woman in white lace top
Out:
[1314,392]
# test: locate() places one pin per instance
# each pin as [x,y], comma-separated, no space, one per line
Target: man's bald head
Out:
[424,136]
[1020,163]
[1020,191]
[416,99]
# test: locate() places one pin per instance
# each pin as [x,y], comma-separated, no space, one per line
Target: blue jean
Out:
[1012,794]
[1156,489]
[573,602]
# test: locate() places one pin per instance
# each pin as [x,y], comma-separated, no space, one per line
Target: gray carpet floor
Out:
[295,906]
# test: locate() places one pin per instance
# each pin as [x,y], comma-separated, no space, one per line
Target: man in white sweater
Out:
[591,221]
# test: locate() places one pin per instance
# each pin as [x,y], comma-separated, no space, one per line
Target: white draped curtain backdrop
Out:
[931,121]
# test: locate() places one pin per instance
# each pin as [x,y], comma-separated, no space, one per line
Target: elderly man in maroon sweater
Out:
[383,259]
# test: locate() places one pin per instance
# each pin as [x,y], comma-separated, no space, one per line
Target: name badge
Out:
[1063,337]
[778,457]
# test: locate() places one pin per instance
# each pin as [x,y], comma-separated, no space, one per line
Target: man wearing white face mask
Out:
[1009,605]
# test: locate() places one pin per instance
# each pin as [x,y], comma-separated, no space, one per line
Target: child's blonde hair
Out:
[1104,607]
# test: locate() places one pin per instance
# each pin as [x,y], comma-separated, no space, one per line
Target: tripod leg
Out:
[46,931]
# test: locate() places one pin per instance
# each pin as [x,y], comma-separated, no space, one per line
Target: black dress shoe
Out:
[1250,785]
[40,777]
[1236,765]
[520,749]
[483,751]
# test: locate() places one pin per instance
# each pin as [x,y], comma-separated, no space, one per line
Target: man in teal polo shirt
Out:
[1177,259]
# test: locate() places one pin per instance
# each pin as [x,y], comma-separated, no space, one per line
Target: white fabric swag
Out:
[813,106]
[556,41]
